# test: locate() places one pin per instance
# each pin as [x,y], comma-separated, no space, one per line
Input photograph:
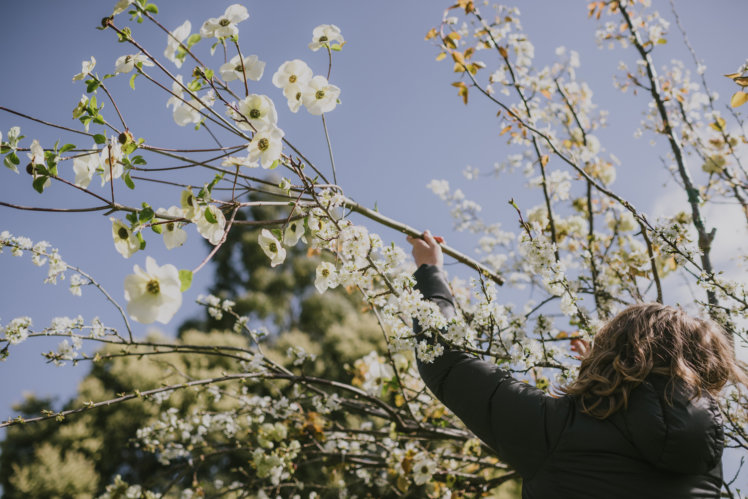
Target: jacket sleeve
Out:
[510,416]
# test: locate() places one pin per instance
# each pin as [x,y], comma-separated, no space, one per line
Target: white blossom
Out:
[17,330]
[295,72]
[225,26]
[232,70]
[319,96]
[173,42]
[121,5]
[266,147]
[293,232]
[326,35]
[211,223]
[174,235]
[86,68]
[126,63]
[153,294]
[272,248]
[125,240]
[255,111]
[326,277]
[85,167]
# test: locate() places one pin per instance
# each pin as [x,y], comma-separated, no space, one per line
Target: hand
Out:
[581,347]
[426,250]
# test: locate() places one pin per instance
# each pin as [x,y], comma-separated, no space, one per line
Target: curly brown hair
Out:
[650,338]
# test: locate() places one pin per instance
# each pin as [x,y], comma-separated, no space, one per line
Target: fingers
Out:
[429,238]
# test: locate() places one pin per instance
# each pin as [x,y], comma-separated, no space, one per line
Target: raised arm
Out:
[520,422]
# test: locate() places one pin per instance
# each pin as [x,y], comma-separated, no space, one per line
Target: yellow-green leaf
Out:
[431,34]
[739,98]
[718,125]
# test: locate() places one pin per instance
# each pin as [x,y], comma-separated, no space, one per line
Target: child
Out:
[640,421]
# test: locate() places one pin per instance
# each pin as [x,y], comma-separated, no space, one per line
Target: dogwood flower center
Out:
[153,287]
[255,113]
[262,145]
[122,233]
[320,94]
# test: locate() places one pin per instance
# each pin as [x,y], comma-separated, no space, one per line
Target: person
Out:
[640,421]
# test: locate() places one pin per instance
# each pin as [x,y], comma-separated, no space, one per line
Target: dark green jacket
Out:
[651,450]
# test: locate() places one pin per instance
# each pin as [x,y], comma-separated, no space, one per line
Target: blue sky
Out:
[400,124]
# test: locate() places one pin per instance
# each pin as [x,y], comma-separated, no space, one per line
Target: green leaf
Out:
[185,277]
[193,39]
[92,85]
[274,165]
[132,80]
[9,163]
[129,147]
[142,241]
[216,179]
[98,119]
[66,148]
[14,159]
[99,138]
[151,7]
[39,184]
[209,216]
[194,85]
[138,160]
[157,228]
[128,181]
[132,218]
[4,149]
[124,35]
[146,214]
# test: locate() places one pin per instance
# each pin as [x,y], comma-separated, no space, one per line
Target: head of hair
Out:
[653,339]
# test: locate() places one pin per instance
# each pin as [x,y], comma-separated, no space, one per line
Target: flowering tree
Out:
[263,423]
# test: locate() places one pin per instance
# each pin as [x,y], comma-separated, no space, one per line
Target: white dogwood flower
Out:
[295,72]
[225,26]
[210,223]
[253,68]
[423,468]
[294,94]
[176,99]
[85,166]
[153,294]
[126,63]
[121,5]
[266,146]
[174,40]
[86,67]
[36,153]
[319,96]
[189,112]
[110,159]
[293,232]
[125,240]
[256,111]
[172,231]
[326,35]
[326,278]
[36,156]
[272,247]
[189,204]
